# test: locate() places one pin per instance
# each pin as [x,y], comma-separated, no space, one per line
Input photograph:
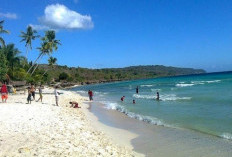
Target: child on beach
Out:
[4,93]
[74,104]
[29,95]
[40,94]
[56,95]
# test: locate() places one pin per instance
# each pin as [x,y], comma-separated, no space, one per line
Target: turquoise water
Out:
[198,102]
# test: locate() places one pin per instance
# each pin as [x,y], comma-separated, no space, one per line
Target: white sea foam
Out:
[164,97]
[148,119]
[173,97]
[214,81]
[184,85]
[83,92]
[138,96]
[203,82]
[227,136]
[155,90]
[148,85]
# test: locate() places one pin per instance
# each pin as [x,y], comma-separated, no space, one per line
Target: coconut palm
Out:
[49,44]
[51,63]
[1,32]
[12,56]
[50,39]
[27,37]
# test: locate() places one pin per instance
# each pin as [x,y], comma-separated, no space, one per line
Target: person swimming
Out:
[122,98]
[133,101]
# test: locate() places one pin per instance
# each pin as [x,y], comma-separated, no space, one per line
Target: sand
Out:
[43,129]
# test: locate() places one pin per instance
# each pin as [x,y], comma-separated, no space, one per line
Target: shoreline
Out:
[41,129]
[153,140]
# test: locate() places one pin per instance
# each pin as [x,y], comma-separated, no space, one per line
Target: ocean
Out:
[202,103]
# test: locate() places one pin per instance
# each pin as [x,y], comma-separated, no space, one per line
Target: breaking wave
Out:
[148,119]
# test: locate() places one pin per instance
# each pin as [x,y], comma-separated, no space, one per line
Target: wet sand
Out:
[160,141]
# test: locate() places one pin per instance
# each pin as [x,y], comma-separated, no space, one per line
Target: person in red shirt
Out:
[74,104]
[4,93]
[90,93]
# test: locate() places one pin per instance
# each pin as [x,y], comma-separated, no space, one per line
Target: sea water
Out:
[197,102]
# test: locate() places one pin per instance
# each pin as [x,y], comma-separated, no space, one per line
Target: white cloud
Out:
[58,16]
[9,15]
[39,27]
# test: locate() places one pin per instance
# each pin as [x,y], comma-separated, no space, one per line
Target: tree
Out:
[48,45]
[12,56]
[1,32]
[3,67]
[63,76]
[27,37]
[51,63]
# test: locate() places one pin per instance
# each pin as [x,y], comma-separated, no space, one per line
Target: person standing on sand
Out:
[40,94]
[4,92]
[56,95]
[90,93]
[29,95]
[33,91]
[137,89]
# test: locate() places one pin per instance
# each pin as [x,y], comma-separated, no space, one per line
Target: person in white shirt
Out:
[56,95]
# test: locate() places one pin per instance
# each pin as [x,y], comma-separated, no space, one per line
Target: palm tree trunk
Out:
[45,72]
[34,63]
[26,56]
[36,67]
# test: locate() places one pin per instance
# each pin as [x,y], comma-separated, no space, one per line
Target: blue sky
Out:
[119,33]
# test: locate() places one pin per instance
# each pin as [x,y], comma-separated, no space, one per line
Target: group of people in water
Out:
[137,92]
[90,94]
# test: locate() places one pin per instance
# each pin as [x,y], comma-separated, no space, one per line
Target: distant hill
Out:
[85,75]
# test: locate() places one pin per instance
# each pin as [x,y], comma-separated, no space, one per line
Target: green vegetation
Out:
[2,42]
[3,67]
[14,67]
[84,75]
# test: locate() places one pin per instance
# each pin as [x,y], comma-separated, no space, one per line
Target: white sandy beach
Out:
[42,129]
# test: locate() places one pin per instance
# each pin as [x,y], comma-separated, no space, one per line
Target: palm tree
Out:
[51,63]
[28,36]
[12,56]
[49,44]
[2,31]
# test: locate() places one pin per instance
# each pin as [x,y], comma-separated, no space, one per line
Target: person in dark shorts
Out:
[33,91]
[157,96]
[133,101]
[29,95]
[90,93]
[137,89]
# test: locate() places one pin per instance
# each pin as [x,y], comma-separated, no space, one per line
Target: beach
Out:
[43,129]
